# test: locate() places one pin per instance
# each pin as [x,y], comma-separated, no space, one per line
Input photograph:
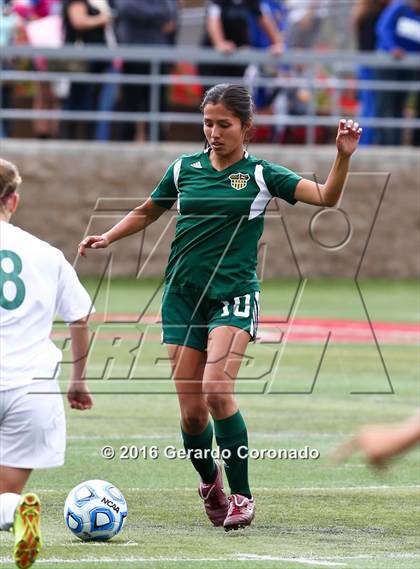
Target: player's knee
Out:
[194,421]
[217,402]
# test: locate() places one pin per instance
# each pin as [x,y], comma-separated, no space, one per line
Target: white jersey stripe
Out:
[177,170]
[255,316]
[252,327]
[263,197]
[257,302]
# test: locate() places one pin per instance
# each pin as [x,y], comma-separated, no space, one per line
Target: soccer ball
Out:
[95,510]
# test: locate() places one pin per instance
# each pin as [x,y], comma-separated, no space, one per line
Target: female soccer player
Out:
[35,282]
[210,303]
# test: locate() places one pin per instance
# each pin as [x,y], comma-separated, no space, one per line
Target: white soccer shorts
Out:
[32,426]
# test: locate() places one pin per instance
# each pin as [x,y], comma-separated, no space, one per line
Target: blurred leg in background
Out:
[135,98]
[367,99]
[391,104]
[106,102]
[45,100]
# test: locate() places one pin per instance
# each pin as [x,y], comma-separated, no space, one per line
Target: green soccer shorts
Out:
[185,322]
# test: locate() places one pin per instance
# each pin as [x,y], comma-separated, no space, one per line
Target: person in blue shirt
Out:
[398,33]
[276,9]
[365,16]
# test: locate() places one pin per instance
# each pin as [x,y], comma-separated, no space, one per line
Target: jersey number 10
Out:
[242,312]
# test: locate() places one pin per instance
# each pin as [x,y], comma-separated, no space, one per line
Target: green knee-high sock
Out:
[205,466]
[231,434]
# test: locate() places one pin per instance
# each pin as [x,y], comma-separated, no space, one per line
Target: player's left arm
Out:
[78,394]
[328,194]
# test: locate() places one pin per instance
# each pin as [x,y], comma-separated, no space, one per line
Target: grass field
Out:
[309,513]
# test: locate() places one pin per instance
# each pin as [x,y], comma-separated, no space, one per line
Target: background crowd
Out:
[391,26]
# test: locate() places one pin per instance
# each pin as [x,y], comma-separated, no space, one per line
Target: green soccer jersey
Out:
[220,220]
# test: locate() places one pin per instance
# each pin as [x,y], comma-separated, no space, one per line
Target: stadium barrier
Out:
[339,65]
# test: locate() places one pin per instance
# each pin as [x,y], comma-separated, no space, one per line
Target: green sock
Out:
[231,434]
[205,466]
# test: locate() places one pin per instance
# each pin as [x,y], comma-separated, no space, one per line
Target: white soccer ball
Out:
[95,510]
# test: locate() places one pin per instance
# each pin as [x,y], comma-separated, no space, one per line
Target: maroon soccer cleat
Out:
[241,512]
[215,500]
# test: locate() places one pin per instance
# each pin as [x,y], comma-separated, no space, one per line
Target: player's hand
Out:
[398,53]
[78,395]
[226,47]
[377,443]
[104,18]
[169,27]
[307,21]
[348,136]
[92,242]
[276,48]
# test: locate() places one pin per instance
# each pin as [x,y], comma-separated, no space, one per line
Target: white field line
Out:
[239,557]
[120,437]
[388,556]
[265,489]
[300,560]
[170,436]
[78,544]
[330,561]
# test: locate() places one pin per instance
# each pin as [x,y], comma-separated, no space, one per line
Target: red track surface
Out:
[306,330]
[346,331]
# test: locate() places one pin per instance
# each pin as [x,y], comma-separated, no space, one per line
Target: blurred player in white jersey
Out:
[36,281]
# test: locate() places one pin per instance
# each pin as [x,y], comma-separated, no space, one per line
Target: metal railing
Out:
[338,64]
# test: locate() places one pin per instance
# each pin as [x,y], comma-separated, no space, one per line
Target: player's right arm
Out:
[135,221]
